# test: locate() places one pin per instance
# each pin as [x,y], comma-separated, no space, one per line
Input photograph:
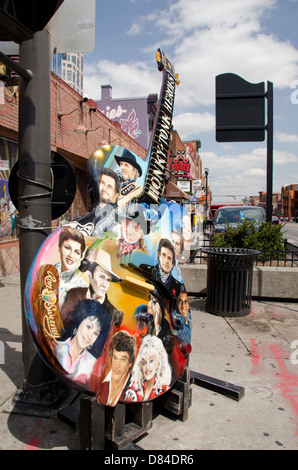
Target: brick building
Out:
[276,202]
[289,196]
[77,129]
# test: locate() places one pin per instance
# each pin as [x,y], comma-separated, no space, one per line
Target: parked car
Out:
[276,220]
[233,215]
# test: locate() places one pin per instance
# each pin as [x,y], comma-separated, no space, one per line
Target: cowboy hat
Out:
[134,211]
[129,157]
[102,259]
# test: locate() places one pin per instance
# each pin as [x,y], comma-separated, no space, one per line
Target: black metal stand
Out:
[178,399]
[225,388]
[100,427]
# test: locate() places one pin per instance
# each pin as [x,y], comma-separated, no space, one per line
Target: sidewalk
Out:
[253,352]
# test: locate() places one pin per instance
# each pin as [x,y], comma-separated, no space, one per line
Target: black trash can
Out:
[229,280]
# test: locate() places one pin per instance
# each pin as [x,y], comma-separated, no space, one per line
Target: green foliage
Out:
[268,238]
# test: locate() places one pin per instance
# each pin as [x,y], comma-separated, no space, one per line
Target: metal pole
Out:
[26,74]
[34,176]
[206,196]
[206,203]
[269,150]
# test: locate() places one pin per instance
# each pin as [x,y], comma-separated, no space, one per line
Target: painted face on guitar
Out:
[128,171]
[107,190]
[71,254]
[166,260]
[132,231]
[100,282]
[87,333]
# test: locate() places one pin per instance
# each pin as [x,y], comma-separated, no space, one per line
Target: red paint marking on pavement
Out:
[277,314]
[254,356]
[288,383]
[252,310]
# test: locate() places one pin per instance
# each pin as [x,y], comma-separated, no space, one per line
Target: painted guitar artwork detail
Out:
[104,297]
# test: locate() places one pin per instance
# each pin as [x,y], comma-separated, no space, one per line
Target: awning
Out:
[172,192]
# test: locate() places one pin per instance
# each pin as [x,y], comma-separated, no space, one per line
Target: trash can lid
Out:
[230,251]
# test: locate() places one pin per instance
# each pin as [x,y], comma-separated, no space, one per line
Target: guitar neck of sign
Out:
[158,150]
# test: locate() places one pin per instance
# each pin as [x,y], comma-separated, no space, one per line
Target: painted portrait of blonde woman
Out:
[151,374]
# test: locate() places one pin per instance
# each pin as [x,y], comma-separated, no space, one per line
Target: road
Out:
[290,231]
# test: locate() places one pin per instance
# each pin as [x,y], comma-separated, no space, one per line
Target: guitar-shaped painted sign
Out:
[104,297]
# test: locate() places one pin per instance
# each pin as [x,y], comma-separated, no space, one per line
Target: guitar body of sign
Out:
[104,298]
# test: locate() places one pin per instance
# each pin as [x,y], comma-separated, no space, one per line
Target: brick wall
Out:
[78,147]
[9,119]
[64,100]
[75,147]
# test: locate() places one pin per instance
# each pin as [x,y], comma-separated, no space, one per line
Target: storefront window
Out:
[8,212]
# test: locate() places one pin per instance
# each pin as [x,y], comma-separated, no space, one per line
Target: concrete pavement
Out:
[253,352]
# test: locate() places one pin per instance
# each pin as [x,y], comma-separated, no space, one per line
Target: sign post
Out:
[40,385]
[269,150]
[240,117]
[28,25]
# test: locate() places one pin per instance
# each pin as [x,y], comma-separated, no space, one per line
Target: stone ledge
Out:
[268,282]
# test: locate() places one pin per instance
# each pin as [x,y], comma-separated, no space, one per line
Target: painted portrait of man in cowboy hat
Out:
[134,226]
[97,267]
[130,170]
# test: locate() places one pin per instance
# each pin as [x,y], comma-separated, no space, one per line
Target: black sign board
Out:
[64,185]
[240,109]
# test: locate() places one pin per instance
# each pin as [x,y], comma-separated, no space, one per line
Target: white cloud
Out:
[191,14]
[284,157]
[204,38]
[190,124]
[246,173]
[254,172]
[209,37]
[135,29]
[123,78]
[207,53]
[286,138]
[240,174]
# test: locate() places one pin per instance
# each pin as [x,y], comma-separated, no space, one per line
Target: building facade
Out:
[69,67]
[289,195]
[135,115]
[77,129]
[185,174]
[277,205]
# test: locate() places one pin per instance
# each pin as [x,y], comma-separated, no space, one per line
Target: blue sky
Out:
[255,39]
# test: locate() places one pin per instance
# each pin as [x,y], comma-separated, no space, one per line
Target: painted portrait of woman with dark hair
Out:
[78,348]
